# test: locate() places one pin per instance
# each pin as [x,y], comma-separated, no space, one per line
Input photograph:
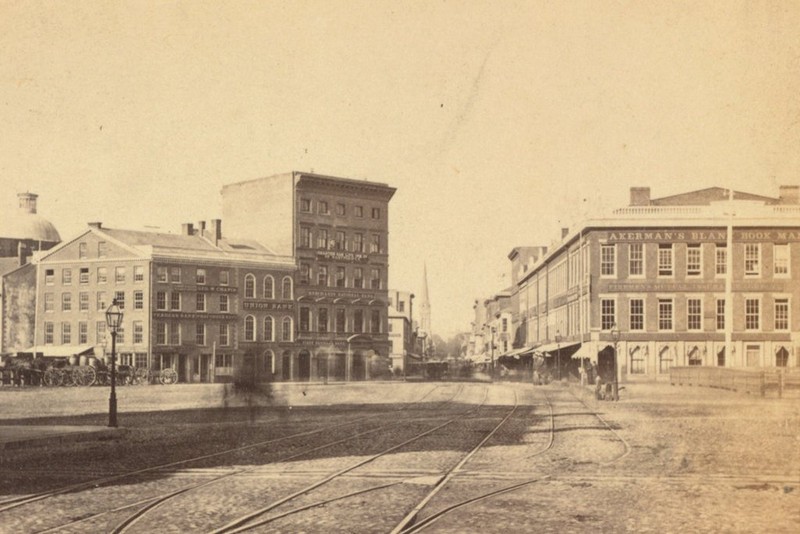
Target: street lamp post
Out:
[492,368]
[558,354]
[615,338]
[113,321]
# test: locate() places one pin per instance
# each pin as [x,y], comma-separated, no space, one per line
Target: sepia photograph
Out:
[394,266]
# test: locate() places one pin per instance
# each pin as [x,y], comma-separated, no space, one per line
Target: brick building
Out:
[337,229]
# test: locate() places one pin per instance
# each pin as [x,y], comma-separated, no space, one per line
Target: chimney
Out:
[640,196]
[97,225]
[789,194]
[564,232]
[201,227]
[187,229]
[216,230]
[22,255]
[27,202]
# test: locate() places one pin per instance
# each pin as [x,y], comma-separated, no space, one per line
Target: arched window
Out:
[269,287]
[269,331]
[287,329]
[249,328]
[250,286]
[269,362]
[287,288]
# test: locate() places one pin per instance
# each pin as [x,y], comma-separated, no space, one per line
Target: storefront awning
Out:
[519,352]
[60,351]
[585,352]
[555,347]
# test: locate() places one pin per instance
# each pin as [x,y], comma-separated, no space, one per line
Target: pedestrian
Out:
[598,388]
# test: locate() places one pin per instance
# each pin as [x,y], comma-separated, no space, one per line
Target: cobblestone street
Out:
[663,459]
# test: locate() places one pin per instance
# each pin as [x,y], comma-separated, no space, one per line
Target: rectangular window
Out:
[375,244]
[200,276]
[720,314]
[84,275]
[138,300]
[720,259]
[223,360]
[340,320]
[138,332]
[608,315]
[375,279]
[323,207]
[101,301]
[694,260]
[305,319]
[49,302]
[174,333]
[375,323]
[608,260]
[305,205]
[401,306]
[119,275]
[694,314]
[358,277]
[305,273]
[665,314]
[358,321]
[664,260]
[48,333]
[376,213]
[201,302]
[161,333]
[120,335]
[780,254]
[359,211]
[102,249]
[305,237]
[66,333]
[200,334]
[83,333]
[752,315]
[138,273]
[340,209]
[66,302]
[781,314]
[100,331]
[49,277]
[322,320]
[82,251]
[161,274]
[224,337]
[340,277]
[322,275]
[83,301]
[161,300]
[636,259]
[341,241]
[175,275]
[636,314]
[175,301]
[224,278]
[322,238]
[358,242]
[504,328]
[102,275]
[119,296]
[224,304]
[66,277]
[752,257]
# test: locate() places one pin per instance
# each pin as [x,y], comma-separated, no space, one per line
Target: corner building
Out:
[185,299]
[338,231]
[682,278]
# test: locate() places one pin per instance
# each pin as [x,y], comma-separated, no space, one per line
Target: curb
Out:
[67,437]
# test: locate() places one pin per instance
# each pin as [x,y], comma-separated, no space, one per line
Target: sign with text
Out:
[341,294]
[715,236]
[207,289]
[339,255]
[269,306]
[194,315]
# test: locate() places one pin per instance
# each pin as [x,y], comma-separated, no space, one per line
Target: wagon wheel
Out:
[52,377]
[67,379]
[168,376]
[84,376]
[141,376]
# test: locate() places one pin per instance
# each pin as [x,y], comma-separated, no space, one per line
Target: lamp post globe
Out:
[113,322]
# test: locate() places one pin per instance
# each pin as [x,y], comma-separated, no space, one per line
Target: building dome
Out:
[25,223]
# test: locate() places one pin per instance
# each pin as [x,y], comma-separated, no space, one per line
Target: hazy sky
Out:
[498,122]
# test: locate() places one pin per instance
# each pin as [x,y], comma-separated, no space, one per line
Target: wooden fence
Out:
[754,381]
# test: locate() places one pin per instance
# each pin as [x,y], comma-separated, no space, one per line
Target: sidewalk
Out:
[19,436]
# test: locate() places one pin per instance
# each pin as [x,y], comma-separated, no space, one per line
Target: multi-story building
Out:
[337,229]
[401,333]
[700,278]
[195,301]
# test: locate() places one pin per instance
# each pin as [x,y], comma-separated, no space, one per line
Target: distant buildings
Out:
[692,279]
[401,329]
